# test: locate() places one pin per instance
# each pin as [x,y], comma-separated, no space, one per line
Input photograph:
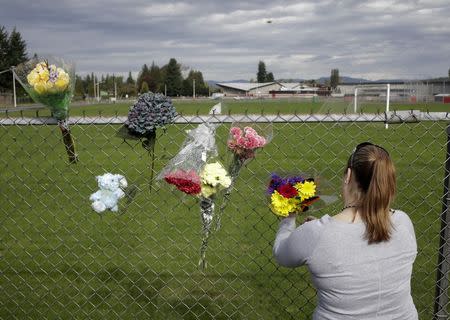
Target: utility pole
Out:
[95,87]
[98,91]
[193,89]
[165,89]
[14,86]
[115,90]
[388,97]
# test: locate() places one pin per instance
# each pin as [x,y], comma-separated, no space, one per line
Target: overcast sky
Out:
[225,39]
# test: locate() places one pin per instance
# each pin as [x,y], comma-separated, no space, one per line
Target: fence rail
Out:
[60,259]
[389,117]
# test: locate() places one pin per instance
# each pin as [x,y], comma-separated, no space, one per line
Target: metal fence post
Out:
[443,267]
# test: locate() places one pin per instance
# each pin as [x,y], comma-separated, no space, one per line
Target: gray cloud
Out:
[226,39]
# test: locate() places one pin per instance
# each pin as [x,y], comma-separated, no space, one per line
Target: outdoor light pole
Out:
[98,90]
[115,90]
[95,88]
[14,86]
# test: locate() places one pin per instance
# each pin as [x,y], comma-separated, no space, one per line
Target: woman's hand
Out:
[309,218]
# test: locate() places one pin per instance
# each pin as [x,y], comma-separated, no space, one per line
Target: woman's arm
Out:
[293,246]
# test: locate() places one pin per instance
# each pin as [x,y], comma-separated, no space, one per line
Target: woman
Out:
[360,259]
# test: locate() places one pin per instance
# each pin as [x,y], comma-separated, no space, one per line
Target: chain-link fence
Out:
[61,260]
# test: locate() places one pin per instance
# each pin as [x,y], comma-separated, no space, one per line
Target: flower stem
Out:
[149,145]
[207,215]
[235,166]
[68,141]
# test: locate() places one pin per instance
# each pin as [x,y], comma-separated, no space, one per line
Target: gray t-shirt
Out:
[354,280]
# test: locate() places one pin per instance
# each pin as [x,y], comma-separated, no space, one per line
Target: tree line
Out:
[167,79]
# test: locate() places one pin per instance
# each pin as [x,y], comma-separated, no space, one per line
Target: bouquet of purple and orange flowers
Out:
[292,194]
[297,193]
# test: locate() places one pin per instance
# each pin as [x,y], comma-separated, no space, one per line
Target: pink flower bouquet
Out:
[243,142]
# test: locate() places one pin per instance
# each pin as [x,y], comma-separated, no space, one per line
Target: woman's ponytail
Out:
[375,174]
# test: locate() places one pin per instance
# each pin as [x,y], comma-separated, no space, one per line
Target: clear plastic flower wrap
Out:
[196,171]
[51,81]
[298,193]
[244,140]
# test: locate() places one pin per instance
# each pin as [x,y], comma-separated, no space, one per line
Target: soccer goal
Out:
[372,98]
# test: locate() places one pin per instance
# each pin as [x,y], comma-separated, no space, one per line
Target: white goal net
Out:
[372,98]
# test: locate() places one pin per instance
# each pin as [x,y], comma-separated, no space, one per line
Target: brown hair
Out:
[374,173]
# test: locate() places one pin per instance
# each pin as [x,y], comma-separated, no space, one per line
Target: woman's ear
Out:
[348,176]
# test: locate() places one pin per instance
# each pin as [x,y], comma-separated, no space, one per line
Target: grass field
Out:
[60,260]
[267,106]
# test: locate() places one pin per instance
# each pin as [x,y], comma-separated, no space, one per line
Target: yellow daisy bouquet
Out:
[293,194]
[51,81]
[213,178]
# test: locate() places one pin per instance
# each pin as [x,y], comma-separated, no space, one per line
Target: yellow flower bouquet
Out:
[297,193]
[51,81]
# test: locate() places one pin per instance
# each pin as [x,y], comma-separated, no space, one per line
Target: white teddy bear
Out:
[110,191]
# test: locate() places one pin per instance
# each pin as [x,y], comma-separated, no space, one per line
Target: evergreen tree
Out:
[5,78]
[201,88]
[270,77]
[144,75]
[79,87]
[86,81]
[3,47]
[187,87]
[127,89]
[110,83]
[188,84]
[262,73]
[130,79]
[119,84]
[12,53]
[144,87]
[17,49]
[155,78]
[173,78]
[334,78]
[90,86]
[162,83]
